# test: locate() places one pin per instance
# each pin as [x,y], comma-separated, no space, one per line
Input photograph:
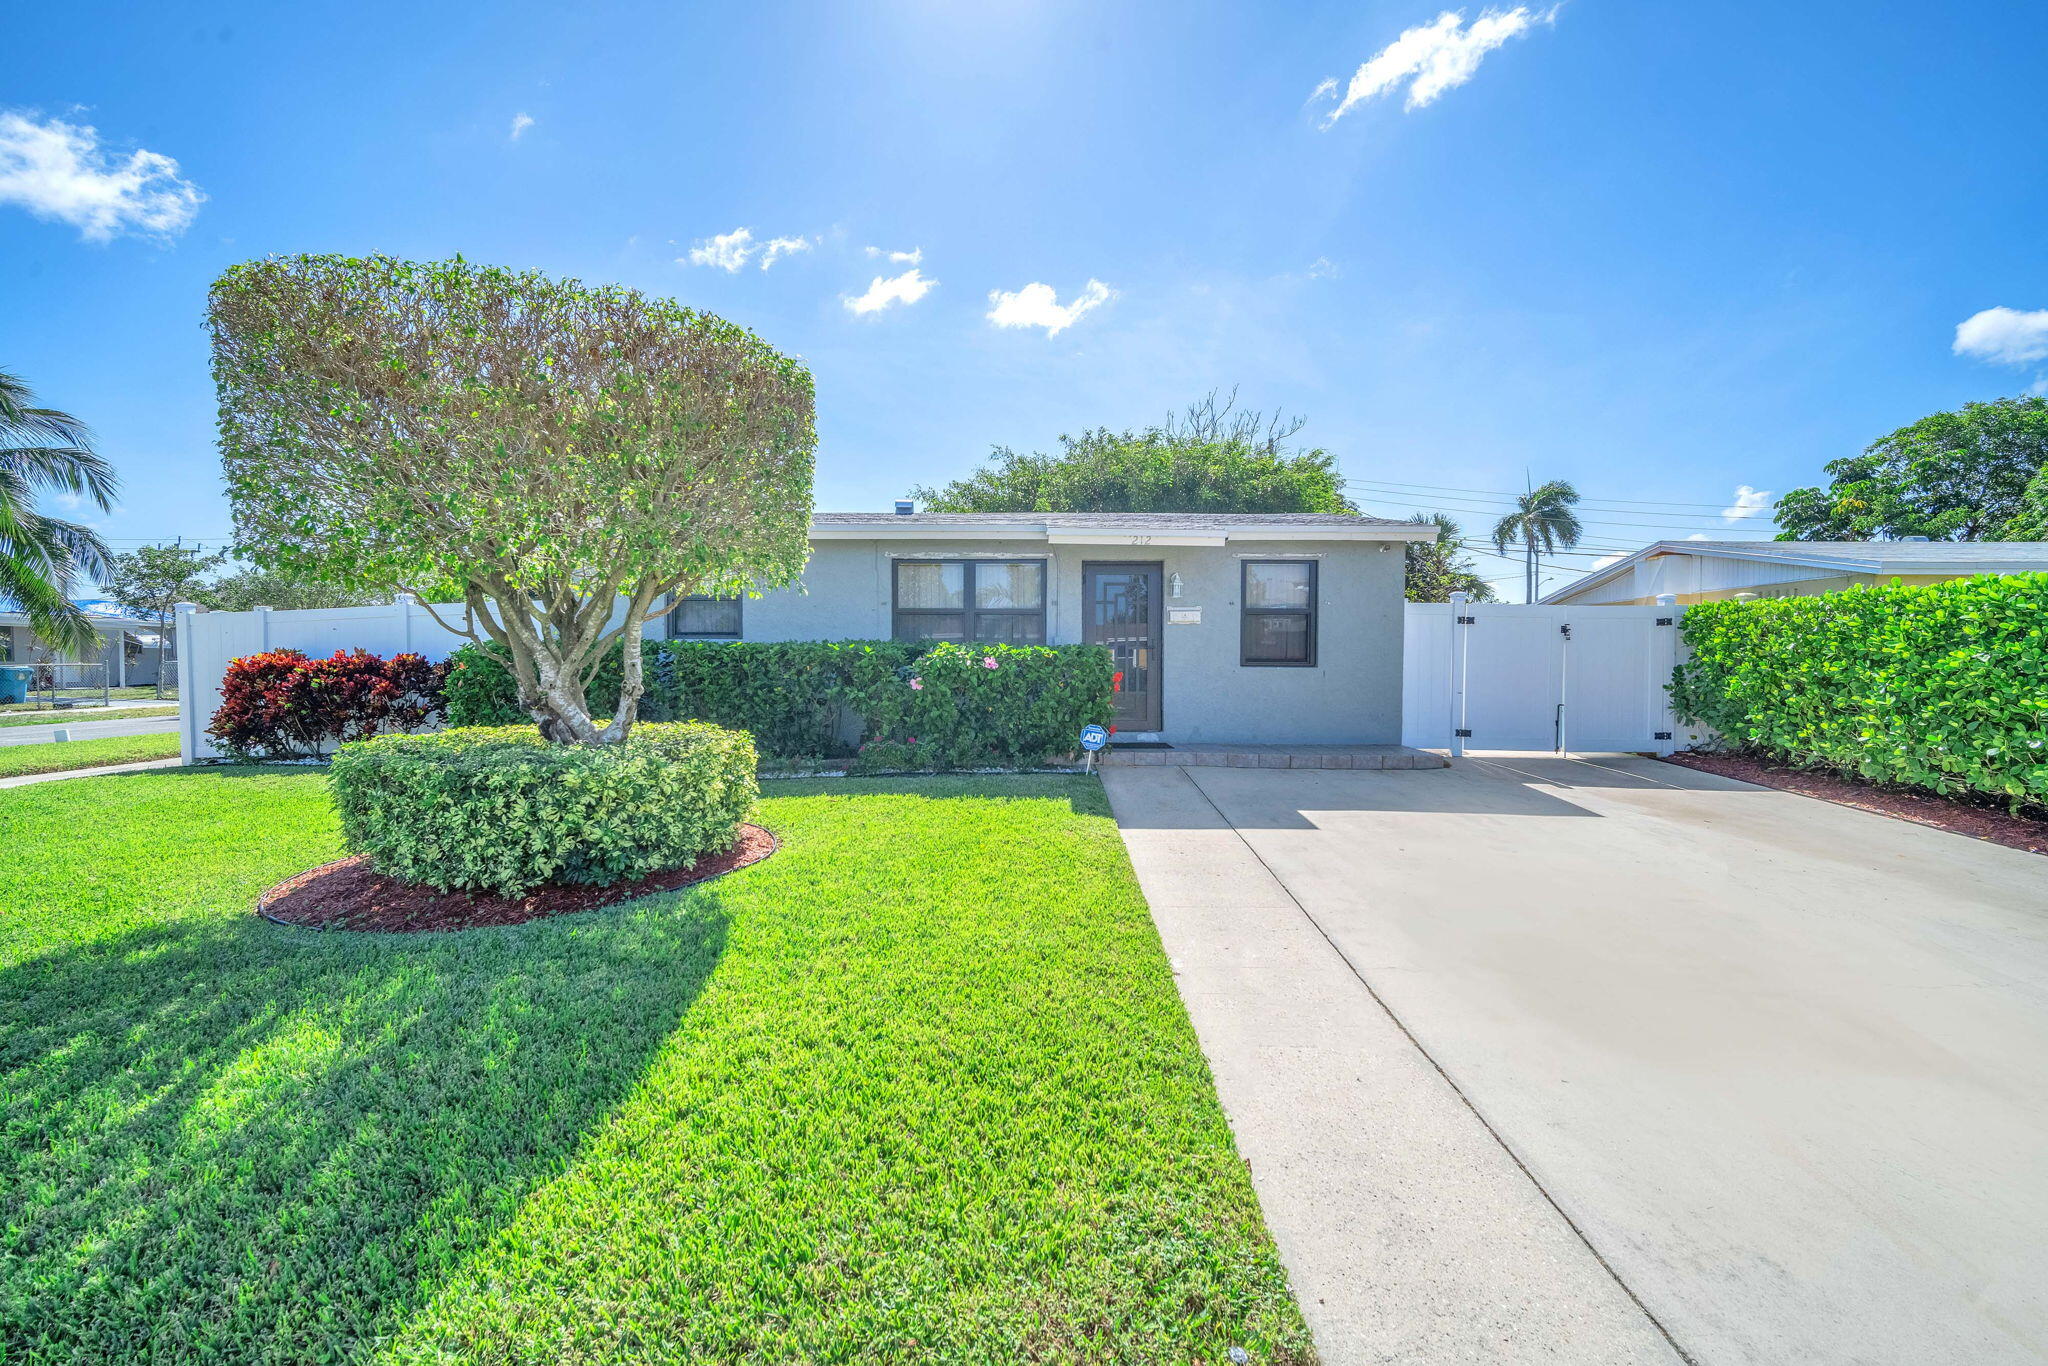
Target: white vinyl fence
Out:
[208,640]
[1501,676]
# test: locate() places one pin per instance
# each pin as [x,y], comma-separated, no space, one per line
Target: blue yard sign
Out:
[1093,738]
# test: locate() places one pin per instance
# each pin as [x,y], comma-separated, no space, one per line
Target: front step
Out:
[1276,756]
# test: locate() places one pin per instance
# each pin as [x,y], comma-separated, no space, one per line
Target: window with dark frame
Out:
[1278,613]
[700,616]
[995,601]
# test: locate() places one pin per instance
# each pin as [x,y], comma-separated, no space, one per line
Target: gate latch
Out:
[1468,621]
[1462,734]
[1663,621]
[1662,735]
[1566,630]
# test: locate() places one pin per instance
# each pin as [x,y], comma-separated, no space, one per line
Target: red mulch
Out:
[349,895]
[1955,815]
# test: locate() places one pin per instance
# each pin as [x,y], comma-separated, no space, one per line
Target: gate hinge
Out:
[1462,734]
[1468,621]
[1661,735]
[1664,621]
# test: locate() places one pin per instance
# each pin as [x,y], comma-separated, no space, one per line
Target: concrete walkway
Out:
[86,730]
[1543,1060]
[31,779]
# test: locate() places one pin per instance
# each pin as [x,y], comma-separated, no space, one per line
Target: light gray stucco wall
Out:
[1352,695]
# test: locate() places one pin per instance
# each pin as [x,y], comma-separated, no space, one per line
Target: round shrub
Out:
[498,809]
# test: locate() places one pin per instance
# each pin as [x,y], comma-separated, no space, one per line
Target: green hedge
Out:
[1943,686]
[496,808]
[881,704]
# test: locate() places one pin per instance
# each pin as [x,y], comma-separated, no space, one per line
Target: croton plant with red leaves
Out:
[283,705]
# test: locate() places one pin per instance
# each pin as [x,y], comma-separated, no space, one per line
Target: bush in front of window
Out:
[498,809]
[999,706]
[805,701]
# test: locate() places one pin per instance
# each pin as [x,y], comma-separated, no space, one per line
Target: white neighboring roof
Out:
[1115,528]
[1841,557]
[105,616]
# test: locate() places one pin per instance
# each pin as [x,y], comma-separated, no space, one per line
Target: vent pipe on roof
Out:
[904,507]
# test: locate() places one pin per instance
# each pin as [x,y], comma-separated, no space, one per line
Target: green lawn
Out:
[917,1088]
[62,756]
[58,718]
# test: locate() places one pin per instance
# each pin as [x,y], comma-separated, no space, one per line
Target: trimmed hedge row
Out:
[1942,686]
[498,809]
[882,704]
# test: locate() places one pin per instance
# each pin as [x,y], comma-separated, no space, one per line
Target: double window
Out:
[700,617]
[1001,601]
[1278,614]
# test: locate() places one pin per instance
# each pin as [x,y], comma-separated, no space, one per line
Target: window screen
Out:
[1279,613]
[1001,601]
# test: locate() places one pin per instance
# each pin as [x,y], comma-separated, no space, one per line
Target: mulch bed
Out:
[1955,815]
[349,895]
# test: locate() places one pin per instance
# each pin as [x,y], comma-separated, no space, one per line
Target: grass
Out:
[916,1088]
[61,756]
[143,693]
[58,718]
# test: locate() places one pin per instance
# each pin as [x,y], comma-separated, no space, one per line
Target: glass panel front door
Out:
[1124,613]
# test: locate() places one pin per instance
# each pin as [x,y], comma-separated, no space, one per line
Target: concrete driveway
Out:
[1565,1061]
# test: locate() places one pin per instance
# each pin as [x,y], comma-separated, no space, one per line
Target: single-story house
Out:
[127,646]
[1704,571]
[1256,628]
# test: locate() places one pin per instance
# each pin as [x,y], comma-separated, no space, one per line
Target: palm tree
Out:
[1436,569]
[43,450]
[1543,517]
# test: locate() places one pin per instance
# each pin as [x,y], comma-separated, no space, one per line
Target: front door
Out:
[1124,612]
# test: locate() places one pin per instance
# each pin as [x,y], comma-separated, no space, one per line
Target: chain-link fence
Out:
[60,686]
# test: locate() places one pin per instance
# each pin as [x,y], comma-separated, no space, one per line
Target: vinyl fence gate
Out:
[1510,676]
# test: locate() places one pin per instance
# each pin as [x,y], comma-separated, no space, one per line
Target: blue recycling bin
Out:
[14,681]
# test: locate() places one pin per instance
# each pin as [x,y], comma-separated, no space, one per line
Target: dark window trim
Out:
[739,600]
[1246,612]
[967,611]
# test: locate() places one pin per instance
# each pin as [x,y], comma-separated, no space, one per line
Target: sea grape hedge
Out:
[876,703]
[280,704]
[1942,686]
[498,809]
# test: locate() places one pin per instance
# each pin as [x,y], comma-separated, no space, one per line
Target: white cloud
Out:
[1036,305]
[727,251]
[779,247]
[1323,269]
[520,123]
[914,257]
[1606,560]
[906,288]
[1748,503]
[2006,336]
[1697,536]
[1432,58]
[60,171]
[730,251]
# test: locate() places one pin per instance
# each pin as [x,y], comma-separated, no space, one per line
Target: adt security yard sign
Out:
[1092,739]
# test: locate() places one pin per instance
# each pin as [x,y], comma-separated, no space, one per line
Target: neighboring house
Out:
[1259,628]
[127,646]
[1704,571]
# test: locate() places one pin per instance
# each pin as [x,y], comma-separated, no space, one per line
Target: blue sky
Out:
[1665,251]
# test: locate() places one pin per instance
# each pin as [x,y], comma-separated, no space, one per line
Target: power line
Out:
[1459,505]
[1510,493]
